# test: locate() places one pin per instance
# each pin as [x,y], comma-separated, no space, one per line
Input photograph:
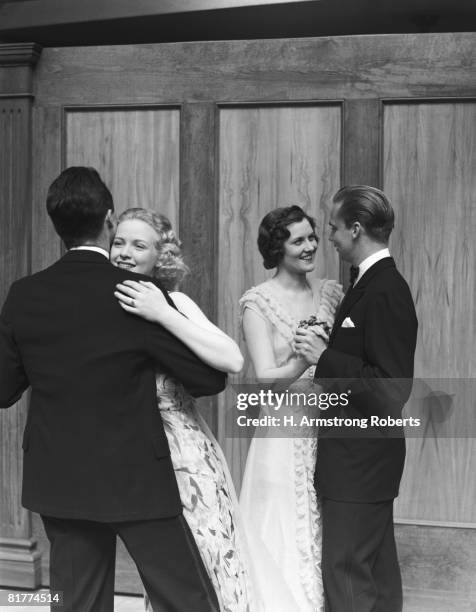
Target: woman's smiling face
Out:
[300,248]
[134,247]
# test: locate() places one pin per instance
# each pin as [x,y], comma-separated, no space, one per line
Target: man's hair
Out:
[370,207]
[77,203]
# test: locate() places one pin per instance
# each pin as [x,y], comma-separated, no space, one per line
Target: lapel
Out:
[353,295]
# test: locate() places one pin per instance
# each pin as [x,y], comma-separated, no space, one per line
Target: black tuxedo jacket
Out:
[374,360]
[94,443]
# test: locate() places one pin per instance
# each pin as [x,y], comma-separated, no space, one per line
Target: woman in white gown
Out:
[278,500]
[145,243]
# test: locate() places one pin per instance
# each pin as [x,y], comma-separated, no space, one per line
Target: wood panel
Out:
[19,560]
[344,67]
[136,152]
[429,161]
[269,156]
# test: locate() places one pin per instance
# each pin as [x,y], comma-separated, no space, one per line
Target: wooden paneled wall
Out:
[215,134]
[232,129]
[269,156]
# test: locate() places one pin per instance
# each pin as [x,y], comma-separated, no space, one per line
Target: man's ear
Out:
[111,220]
[356,229]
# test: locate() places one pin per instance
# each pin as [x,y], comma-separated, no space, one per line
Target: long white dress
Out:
[208,496]
[279,505]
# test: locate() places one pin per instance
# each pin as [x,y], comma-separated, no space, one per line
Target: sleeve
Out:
[253,300]
[176,359]
[386,369]
[173,357]
[13,379]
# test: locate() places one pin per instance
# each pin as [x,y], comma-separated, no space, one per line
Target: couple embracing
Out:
[113,445]
[102,348]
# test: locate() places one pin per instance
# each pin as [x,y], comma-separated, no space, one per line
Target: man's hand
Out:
[309,344]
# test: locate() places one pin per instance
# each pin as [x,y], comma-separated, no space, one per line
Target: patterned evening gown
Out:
[279,505]
[208,498]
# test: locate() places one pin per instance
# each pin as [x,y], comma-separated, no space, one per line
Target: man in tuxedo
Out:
[370,356]
[96,457]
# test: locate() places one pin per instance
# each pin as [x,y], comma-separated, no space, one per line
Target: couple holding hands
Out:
[114,446]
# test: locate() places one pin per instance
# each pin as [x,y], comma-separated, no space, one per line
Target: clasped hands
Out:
[309,343]
[142,298]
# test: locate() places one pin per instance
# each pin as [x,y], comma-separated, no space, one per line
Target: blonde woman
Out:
[145,243]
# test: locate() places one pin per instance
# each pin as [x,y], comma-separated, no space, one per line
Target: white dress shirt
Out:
[91,248]
[370,261]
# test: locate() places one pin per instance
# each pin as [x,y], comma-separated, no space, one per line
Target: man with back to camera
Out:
[96,458]
[370,353]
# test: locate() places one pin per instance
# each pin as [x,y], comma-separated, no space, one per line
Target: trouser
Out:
[360,568]
[82,564]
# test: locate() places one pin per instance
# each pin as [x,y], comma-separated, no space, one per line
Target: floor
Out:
[414,602]
[121,604]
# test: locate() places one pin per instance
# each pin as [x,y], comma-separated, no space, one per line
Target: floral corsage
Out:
[323,327]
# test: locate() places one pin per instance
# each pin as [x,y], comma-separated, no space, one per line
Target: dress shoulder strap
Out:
[264,303]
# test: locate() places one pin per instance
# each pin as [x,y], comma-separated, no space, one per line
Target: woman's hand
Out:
[309,343]
[143,299]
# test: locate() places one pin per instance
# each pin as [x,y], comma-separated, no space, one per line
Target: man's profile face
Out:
[340,235]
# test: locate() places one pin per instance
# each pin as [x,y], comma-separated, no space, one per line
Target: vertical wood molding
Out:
[361,149]
[46,244]
[198,202]
[19,559]
[361,153]
[198,226]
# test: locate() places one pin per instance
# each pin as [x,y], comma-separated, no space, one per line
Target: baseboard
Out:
[438,560]
[20,563]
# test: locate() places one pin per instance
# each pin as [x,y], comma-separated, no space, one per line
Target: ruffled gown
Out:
[279,504]
[209,501]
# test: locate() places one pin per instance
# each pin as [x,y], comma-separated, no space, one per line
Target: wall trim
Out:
[425,523]
[20,563]
[19,54]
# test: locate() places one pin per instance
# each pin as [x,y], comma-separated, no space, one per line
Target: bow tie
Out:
[354,273]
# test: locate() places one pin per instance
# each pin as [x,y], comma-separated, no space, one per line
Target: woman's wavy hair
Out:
[171,268]
[273,232]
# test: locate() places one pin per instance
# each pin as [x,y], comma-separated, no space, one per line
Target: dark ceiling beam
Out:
[103,22]
[37,13]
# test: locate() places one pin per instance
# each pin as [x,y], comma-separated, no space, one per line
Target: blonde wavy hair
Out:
[171,268]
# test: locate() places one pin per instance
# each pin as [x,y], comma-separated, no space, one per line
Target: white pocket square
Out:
[347,322]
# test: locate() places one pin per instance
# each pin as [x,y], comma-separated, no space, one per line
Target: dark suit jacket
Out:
[94,442]
[374,360]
